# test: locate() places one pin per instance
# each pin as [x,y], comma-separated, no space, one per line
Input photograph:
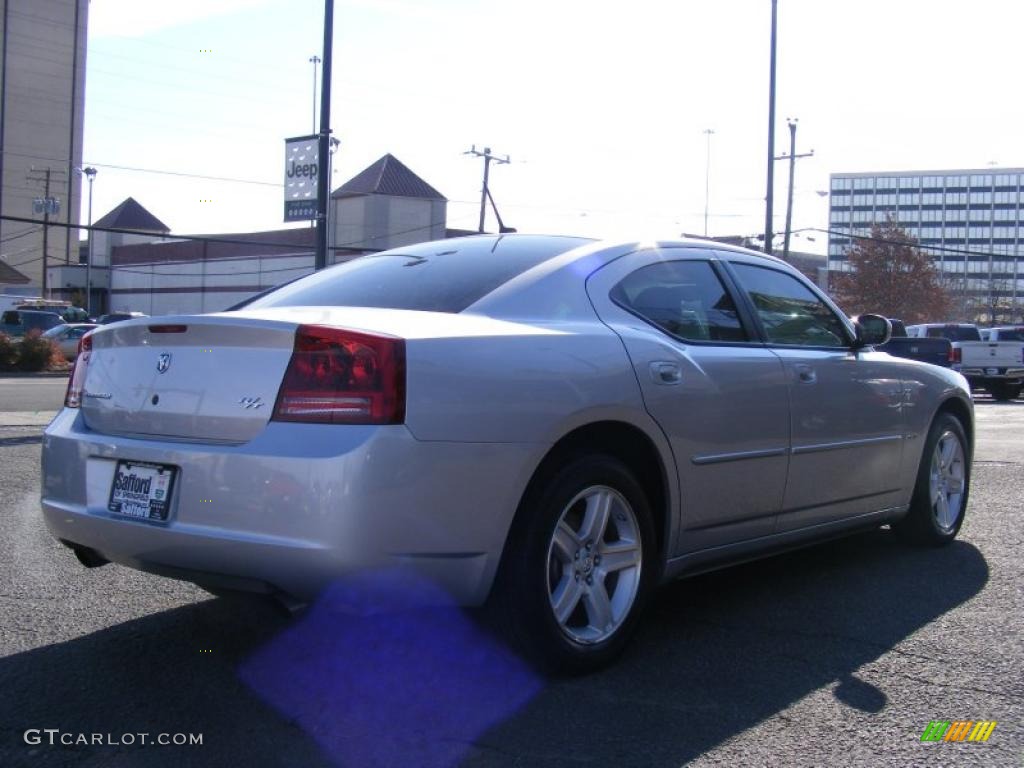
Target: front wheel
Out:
[943,483]
[579,565]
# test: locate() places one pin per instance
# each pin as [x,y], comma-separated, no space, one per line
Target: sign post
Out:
[301,175]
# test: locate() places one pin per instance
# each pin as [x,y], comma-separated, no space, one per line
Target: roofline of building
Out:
[932,172]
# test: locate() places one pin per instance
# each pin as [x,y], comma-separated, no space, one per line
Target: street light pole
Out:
[707,179]
[314,60]
[90,174]
[324,150]
[771,135]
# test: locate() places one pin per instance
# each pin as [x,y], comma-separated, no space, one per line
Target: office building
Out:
[970,221]
[42,79]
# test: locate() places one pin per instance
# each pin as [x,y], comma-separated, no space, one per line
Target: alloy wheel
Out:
[593,564]
[946,482]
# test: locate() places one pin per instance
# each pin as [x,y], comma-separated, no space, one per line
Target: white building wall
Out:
[198,287]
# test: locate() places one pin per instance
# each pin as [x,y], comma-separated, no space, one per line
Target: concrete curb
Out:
[34,374]
[26,418]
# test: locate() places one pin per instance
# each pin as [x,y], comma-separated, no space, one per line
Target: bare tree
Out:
[890,275]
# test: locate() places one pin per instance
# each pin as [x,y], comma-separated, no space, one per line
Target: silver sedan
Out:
[67,336]
[547,425]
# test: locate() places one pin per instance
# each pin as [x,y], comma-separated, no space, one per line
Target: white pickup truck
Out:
[995,366]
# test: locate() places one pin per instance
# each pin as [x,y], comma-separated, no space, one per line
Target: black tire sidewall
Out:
[920,525]
[525,570]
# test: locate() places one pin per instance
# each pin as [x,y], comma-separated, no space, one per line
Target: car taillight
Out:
[955,355]
[338,376]
[76,382]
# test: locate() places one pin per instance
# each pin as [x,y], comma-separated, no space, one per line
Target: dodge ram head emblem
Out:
[163,362]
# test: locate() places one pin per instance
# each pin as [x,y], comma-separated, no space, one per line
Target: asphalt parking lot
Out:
[840,654]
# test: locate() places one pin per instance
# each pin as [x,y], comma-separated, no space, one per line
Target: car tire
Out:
[1004,392]
[943,484]
[579,565]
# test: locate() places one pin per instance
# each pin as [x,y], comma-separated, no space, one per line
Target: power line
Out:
[23,233]
[913,243]
[188,175]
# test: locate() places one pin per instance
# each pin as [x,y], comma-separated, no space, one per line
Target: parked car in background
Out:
[548,424]
[116,317]
[13,301]
[17,322]
[994,366]
[68,312]
[67,336]
[1003,333]
[934,351]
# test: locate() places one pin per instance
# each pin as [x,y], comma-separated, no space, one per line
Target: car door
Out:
[718,394]
[846,404]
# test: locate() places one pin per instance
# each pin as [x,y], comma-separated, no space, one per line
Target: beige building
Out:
[384,206]
[42,74]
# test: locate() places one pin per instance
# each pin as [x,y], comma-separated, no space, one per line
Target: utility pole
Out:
[485,193]
[707,178]
[792,157]
[768,227]
[324,153]
[47,206]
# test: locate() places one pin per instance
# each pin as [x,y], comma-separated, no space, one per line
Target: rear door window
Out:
[683,298]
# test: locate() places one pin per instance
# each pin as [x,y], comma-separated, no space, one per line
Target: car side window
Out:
[789,311]
[683,298]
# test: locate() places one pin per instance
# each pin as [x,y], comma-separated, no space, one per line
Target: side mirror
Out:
[872,330]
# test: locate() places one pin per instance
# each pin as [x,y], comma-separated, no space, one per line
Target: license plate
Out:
[142,490]
[991,371]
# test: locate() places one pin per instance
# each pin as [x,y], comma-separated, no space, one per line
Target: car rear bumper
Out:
[296,508]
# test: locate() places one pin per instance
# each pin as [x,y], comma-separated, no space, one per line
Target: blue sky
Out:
[601,106]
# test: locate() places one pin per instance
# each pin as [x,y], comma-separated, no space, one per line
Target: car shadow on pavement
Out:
[719,653]
[171,672]
[349,685]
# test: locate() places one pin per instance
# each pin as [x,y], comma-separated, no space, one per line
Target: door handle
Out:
[666,373]
[805,374]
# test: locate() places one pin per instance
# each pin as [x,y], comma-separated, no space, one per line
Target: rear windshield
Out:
[955,333]
[1011,334]
[442,276]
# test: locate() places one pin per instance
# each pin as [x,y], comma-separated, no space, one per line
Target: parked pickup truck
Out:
[995,366]
[1003,333]
[927,350]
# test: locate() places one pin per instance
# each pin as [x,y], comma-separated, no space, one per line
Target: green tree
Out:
[890,275]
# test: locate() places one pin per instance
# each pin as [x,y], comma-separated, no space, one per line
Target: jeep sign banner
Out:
[301,166]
